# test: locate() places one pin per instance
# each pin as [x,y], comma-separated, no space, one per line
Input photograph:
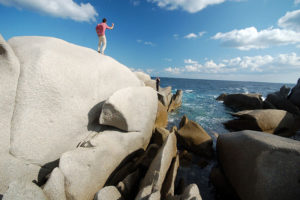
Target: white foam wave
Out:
[188,91]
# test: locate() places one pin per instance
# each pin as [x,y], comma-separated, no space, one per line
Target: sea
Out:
[200,105]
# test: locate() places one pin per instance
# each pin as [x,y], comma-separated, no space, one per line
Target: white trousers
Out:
[102,42]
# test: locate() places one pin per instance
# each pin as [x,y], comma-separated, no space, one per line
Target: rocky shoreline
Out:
[79,125]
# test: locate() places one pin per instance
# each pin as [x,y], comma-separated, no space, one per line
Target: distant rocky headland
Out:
[78,125]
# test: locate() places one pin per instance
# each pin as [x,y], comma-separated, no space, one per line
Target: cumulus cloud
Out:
[250,38]
[193,35]
[291,20]
[191,6]
[173,70]
[247,64]
[67,9]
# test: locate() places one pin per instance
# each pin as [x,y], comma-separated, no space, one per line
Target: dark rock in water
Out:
[260,165]
[243,101]
[175,101]
[272,121]
[221,97]
[223,186]
[194,138]
[279,100]
[294,96]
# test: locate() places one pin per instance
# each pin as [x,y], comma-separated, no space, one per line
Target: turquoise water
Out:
[199,105]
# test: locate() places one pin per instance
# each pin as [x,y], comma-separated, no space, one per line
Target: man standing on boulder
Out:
[100,29]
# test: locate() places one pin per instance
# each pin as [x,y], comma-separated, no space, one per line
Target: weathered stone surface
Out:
[159,136]
[279,122]
[294,96]
[169,183]
[24,190]
[161,116]
[130,109]
[194,138]
[87,169]
[108,193]
[58,86]
[243,101]
[158,169]
[9,74]
[54,189]
[260,165]
[175,101]
[143,77]
[165,95]
[151,83]
[12,169]
[279,100]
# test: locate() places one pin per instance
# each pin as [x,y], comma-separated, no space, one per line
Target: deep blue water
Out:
[199,105]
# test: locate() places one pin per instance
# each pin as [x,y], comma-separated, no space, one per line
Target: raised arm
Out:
[112,26]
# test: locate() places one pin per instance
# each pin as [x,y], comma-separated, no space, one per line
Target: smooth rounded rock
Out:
[130,109]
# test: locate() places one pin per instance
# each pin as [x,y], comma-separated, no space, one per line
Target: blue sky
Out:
[248,40]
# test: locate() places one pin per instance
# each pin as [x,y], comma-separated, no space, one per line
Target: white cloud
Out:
[297,1]
[147,43]
[174,70]
[250,38]
[193,35]
[191,6]
[247,64]
[291,20]
[68,9]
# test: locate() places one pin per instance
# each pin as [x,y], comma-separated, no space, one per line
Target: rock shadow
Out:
[126,167]
[45,171]
[93,118]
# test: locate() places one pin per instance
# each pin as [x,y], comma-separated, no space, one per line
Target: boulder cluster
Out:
[256,162]
[78,125]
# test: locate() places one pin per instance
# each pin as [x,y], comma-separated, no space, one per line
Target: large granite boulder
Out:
[279,122]
[128,109]
[294,96]
[260,165]
[24,190]
[194,138]
[58,87]
[176,101]
[280,101]
[155,176]
[243,101]
[9,74]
